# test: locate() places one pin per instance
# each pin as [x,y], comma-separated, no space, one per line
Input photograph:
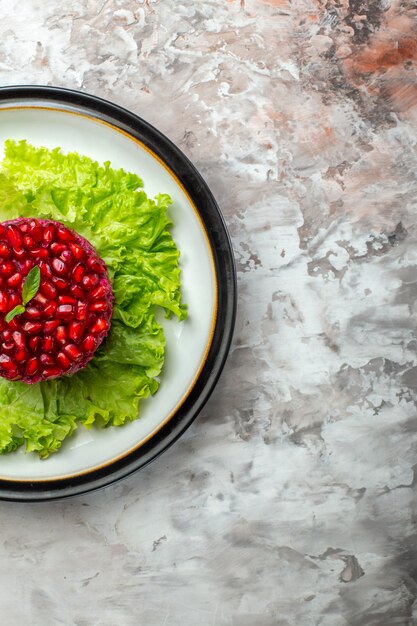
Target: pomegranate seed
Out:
[35,252]
[14,324]
[40,299]
[45,268]
[5,252]
[77,251]
[8,347]
[59,267]
[90,281]
[59,283]
[15,280]
[24,228]
[8,268]
[21,355]
[48,290]
[98,307]
[76,331]
[64,234]
[77,292]
[46,359]
[33,313]
[7,335]
[27,266]
[61,335]
[12,375]
[66,256]
[94,265]
[35,344]
[50,326]
[32,366]
[51,372]
[50,309]
[63,360]
[28,242]
[48,344]
[14,236]
[4,304]
[78,273]
[56,248]
[73,352]
[6,362]
[81,311]
[14,300]
[66,300]
[43,254]
[35,230]
[65,311]
[99,326]
[49,233]
[19,339]
[31,328]
[19,254]
[89,343]
[100,292]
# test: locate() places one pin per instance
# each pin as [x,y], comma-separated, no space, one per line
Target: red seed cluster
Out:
[69,317]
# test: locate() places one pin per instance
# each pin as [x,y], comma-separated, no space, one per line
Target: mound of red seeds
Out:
[69,317]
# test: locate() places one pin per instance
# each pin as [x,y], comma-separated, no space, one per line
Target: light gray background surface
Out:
[291,500]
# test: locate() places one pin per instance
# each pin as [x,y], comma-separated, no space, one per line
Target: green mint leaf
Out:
[31,284]
[16,311]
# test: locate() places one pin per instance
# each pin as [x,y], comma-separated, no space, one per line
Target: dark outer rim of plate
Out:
[221,248]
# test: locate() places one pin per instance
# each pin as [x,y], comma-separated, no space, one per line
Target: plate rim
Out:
[209,213]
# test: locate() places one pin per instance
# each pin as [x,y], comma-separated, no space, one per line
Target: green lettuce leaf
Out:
[131,232]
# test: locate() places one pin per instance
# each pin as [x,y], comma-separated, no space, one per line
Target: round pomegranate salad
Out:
[56,300]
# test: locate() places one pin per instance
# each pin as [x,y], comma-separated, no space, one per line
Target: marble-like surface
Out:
[291,501]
